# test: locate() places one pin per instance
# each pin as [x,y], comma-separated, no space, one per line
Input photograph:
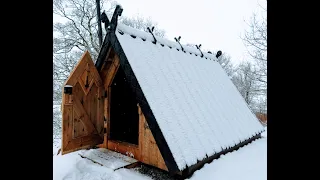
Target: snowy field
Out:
[72,167]
[247,163]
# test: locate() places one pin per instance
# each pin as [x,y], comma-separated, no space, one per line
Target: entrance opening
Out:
[124,117]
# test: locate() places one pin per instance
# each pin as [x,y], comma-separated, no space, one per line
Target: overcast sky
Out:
[216,24]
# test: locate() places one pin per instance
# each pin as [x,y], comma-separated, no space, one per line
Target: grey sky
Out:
[216,24]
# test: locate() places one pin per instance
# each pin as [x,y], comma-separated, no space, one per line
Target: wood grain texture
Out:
[150,152]
[128,149]
[82,119]
[147,150]
[107,73]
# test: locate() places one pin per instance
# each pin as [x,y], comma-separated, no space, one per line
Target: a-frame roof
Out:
[192,107]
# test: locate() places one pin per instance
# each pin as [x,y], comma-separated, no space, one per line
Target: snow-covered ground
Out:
[72,167]
[264,134]
[247,163]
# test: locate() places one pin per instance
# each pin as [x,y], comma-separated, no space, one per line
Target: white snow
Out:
[198,108]
[56,146]
[72,166]
[173,44]
[264,134]
[247,163]
[107,158]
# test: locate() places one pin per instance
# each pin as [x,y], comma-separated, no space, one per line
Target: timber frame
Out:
[111,42]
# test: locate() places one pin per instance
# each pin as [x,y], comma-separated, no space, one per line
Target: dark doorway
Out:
[124,117]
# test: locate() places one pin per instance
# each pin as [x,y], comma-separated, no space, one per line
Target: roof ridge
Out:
[134,33]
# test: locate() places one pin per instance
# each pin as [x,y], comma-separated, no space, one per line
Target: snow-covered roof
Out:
[197,107]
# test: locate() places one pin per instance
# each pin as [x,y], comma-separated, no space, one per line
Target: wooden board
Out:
[82,110]
[107,73]
[107,158]
[125,148]
[147,151]
[150,153]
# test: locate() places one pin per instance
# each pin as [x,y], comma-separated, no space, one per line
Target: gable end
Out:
[112,41]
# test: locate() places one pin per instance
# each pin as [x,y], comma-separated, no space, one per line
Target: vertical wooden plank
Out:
[81,123]
[86,103]
[161,164]
[66,99]
[146,143]
[91,105]
[94,107]
[153,147]
[67,124]
[106,106]
[108,72]
[108,119]
[150,152]
[100,108]
[141,136]
[70,99]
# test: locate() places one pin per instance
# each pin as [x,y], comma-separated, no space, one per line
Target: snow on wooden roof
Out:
[197,107]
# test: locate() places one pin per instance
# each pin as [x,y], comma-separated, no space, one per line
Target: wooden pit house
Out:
[166,104]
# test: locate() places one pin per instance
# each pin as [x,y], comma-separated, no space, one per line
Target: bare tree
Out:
[244,80]
[56,122]
[261,105]
[79,33]
[225,62]
[255,39]
[80,30]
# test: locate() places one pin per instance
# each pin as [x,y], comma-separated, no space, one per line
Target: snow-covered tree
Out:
[226,63]
[255,39]
[78,32]
[244,80]
[224,60]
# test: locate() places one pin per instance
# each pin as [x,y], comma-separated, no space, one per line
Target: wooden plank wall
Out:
[107,73]
[147,151]
[82,120]
[150,153]
[262,117]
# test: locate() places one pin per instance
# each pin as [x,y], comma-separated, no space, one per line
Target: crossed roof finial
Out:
[111,26]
